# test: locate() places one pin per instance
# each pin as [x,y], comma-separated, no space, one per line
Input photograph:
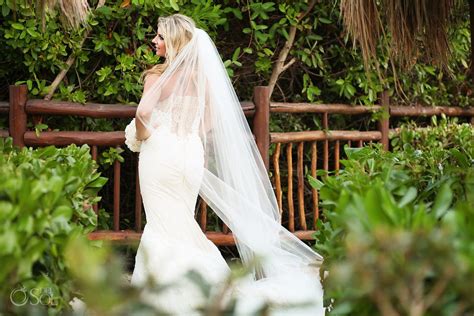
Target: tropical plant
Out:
[46,196]
[297,46]
[397,225]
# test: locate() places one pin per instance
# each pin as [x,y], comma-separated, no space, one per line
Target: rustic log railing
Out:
[310,151]
[306,214]
[324,147]
[20,108]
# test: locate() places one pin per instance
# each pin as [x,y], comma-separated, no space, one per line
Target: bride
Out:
[193,138]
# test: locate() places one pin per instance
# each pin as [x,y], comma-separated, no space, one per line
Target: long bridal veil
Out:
[200,99]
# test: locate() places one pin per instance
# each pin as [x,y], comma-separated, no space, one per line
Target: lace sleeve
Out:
[131,137]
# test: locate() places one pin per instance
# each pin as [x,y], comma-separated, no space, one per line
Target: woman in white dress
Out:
[193,139]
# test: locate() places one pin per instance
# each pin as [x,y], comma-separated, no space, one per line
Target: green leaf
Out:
[32,32]
[236,54]
[324,20]
[8,242]
[409,196]
[97,183]
[315,183]
[5,10]
[268,52]
[18,26]
[443,200]
[62,213]
[174,5]
[116,37]
[461,158]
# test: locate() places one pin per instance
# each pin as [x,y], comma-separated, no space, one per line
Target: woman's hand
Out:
[142,131]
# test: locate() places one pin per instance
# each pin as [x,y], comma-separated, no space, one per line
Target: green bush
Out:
[443,153]
[398,226]
[400,260]
[46,197]
[117,50]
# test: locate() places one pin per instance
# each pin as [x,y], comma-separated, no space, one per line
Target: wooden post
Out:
[261,122]
[471,20]
[385,119]
[17,115]
[94,152]
[116,195]
[138,203]
[326,142]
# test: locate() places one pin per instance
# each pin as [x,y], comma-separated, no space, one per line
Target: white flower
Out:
[131,137]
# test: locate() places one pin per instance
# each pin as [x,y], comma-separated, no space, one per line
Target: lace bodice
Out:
[179,115]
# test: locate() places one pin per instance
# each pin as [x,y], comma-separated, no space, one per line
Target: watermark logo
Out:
[21,296]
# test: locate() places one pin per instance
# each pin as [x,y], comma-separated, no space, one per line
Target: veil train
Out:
[235,182]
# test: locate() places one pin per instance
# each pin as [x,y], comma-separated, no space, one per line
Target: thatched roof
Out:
[73,12]
[404,25]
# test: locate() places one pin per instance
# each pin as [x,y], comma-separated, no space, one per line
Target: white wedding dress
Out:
[201,143]
[170,169]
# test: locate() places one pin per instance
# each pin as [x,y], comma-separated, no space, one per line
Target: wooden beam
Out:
[248,107]
[217,238]
[116,196]
[471,20]
[290,137]
[395,110]
[384,121]
[115,236]
[97,110]
[4,107]
[429,111]
[138,201]
[279,107]
[17,114]
[75,137]
[291,207]
[261,122]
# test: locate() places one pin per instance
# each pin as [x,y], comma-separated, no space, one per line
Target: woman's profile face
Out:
[159,44]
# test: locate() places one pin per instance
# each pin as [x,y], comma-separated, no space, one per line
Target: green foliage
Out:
[398,226]
[401,258]
[110,156]
[108,65]
[438,155]
[116,50]
[46,196]
[102,288]
[422,159]
[105,292]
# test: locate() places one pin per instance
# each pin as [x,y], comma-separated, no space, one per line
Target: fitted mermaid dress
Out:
[171,172]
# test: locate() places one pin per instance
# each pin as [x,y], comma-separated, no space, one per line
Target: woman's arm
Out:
[142,113]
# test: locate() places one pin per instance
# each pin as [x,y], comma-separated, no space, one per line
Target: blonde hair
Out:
[177,30]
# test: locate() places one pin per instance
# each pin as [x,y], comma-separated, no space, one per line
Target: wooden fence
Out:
[312,147]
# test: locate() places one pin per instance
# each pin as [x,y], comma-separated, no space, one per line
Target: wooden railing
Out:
[20,109]
[308,151]
[299,205]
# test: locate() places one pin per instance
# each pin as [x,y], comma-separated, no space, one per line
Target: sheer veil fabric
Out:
[197,96]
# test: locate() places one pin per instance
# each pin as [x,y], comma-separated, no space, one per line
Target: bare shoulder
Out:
[150,80]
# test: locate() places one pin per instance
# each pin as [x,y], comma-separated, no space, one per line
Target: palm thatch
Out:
[409,27]
[73,12]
